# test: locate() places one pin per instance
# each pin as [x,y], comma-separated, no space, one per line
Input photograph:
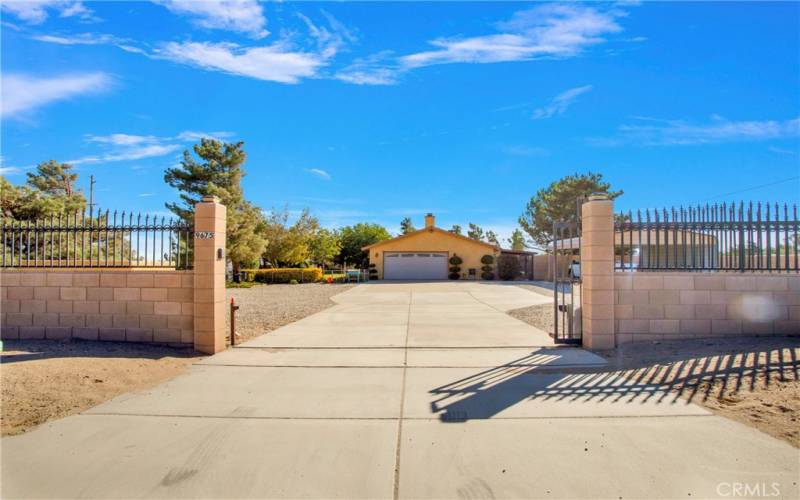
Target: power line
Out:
[753,188]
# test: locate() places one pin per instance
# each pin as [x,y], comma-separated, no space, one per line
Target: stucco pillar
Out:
[597,272]
[209,275]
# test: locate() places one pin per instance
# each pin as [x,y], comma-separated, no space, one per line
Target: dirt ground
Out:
[264,308]
[753,380]
[43,380]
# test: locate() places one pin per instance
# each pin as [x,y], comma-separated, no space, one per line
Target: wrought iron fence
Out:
[105,239]
[721,237]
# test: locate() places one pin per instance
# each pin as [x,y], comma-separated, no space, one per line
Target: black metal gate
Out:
[566,282]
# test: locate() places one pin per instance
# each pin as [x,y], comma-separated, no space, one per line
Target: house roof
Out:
[430,230]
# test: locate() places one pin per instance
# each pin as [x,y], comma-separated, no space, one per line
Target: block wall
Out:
[137,305]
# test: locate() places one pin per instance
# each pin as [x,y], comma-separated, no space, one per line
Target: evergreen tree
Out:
[406,226]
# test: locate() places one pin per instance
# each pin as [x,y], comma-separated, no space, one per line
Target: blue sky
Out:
[375,111]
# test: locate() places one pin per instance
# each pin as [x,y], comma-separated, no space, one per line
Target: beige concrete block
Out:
[31,332]
[591,326]
[33,278]
[623,281]
[59,306]
[723,297]
[187,279]
[126,321]
[20,293]
[598,296]
[139,307]
[648,311]
[86,280]
[99,320]
[772,283]
[679,282]
[45,319]
[711,311]
[664,297]
[154,294]
[180,294]
[632,297]
[11,306]
[787,298]
[32,306]
[124,294]
[596,281]
[623,311]
[794,312]
[758,327]
[73,293]
[114,280]
[86,333]
[709,282]
[58,332]
[72,320]
[665,326]
[86,306]
[111,334]
[785,327]
[695,297]
[167,308]
[726,327]
[9,332]
[180,322]
[167,335]
[4,293]
[47,293]
[97,293]
[19,319]
[166,280]
[696,327]
[9,278]
[140,280]
[597,252]
[685,311]
[138,335]
[624,338]
[187,308]
[112,307]
[187,336]
[643,281]
[208,309]
[794,282]
[740,283]
[599,342]
[153,321]
[59,279]
[203,281]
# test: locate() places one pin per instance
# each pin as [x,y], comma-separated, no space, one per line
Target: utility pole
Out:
[91,195]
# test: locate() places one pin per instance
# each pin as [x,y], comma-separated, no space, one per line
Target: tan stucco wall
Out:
[435,241]
[138,305]
[662,306]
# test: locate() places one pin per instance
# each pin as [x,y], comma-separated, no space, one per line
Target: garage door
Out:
[414,266]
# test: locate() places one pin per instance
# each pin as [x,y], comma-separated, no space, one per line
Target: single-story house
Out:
[425,254]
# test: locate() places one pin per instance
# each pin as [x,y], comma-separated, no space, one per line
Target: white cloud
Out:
[193,135]
[136,152]
[145,195]
[322,174]
[560,103]
[37,11]
[718,130]
[10,170]
[272,63]
[23,93]
[242,16]
[122,139]
[782,151]
[551,30]
[371,70]
[520,150]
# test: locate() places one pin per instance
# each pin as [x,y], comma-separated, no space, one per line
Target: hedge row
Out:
[285,275]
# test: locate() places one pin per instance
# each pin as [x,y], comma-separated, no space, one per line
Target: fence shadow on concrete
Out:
[720,369]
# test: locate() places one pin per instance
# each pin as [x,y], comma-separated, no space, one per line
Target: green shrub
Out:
[455,269]
[293,282]
[487,269]
[453,276]
[286,275]
[508,267]
[487,276]
[456,260]
[487,259]
[371,267]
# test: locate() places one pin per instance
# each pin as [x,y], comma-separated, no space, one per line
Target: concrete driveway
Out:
[407,390]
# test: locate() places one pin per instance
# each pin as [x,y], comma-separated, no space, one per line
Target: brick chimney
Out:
[430,221]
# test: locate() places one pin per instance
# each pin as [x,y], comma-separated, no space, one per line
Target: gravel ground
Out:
[264,308]
[43,380]
[540,316]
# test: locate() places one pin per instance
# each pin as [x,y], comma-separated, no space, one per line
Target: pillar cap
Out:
[210,198]
[598,197]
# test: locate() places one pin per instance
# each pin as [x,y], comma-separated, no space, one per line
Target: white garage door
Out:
[414,266]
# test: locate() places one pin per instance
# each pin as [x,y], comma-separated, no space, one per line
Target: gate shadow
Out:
[669,378]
